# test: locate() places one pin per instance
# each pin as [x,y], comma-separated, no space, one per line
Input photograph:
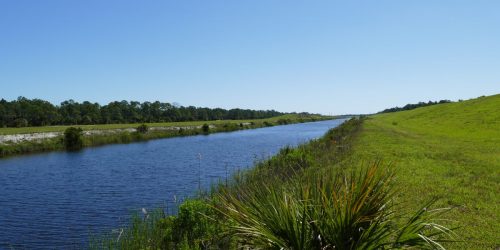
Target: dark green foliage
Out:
[20,123]
[205,128]
[35,112]
[268,124]
[143,128]
[414,106]
[73,138]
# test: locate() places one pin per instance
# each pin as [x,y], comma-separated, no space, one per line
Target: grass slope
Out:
[450,151]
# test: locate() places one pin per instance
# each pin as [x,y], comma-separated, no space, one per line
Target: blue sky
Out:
[330,57]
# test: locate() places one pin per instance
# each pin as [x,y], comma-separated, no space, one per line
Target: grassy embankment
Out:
[450,151]
[298,199]
[183,129]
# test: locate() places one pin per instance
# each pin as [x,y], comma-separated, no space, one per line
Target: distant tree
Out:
[90,112]
[414,106]
[38,112]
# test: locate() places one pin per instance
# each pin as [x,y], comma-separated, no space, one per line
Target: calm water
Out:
[56,200]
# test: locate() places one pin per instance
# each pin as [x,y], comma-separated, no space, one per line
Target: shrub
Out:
[73,138]
[267,124]
[143,128]
[329,211]
[205,128]
[194,224]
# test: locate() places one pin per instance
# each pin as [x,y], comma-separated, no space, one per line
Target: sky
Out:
[329,57]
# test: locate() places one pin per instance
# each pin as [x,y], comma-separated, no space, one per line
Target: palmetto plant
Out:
[353,210]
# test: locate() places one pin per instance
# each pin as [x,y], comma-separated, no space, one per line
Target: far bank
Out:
[18,141]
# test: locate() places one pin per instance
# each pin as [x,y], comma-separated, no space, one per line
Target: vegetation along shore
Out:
[15,141]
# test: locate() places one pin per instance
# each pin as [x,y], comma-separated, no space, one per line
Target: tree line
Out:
[36,112]
[414,106]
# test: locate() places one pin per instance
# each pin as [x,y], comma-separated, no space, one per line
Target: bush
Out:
[73,138]
[143,128]
[205,128]
[352,210]
[193,223]
[268,124]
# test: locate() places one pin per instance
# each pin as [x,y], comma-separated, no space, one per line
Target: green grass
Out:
[449,151]
[27,130]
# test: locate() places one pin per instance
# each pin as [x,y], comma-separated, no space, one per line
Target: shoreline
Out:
[28,143]
[37,136]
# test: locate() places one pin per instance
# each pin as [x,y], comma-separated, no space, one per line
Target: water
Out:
[57,200]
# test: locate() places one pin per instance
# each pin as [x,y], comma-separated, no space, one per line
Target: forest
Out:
[25,112]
